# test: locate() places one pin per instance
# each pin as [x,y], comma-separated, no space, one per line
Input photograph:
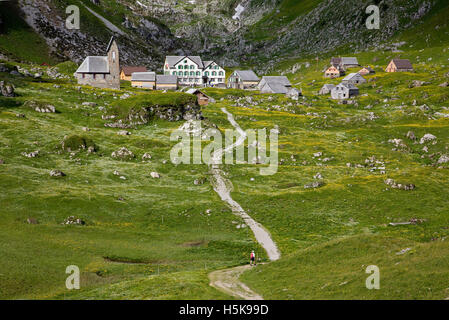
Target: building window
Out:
[192,73]
[174,73]
[192,67]
[185,61]
[198,73]
[220,73]
[206,73]
[214,73]
[113,57]
[180,67]
[186,73]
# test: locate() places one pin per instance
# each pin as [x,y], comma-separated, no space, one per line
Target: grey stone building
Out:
[354,78]
[344,91]
[101,71]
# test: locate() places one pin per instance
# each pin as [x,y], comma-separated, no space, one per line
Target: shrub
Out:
[75,143]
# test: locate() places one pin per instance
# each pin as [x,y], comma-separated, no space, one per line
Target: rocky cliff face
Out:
[230,31]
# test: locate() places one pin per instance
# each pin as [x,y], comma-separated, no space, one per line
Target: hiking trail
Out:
[227,280]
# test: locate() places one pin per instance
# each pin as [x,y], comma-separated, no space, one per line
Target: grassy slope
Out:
[156,227]
[19,40]
[328,236]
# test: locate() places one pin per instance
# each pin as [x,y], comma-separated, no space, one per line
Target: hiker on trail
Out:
[252,258]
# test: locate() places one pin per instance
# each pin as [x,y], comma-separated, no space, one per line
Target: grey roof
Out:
[94,64]
[351,76]
[282,80]
[173,60]
[347,85]
[143,76]
[275,87]
[329,86]
[166,79]
[247,75]
[207,63]
[195,91]
[403,63]
[349,60]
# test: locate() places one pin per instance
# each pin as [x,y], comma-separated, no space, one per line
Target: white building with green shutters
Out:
[193,71]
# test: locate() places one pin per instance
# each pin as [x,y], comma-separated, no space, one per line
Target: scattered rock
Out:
[418,83]
[74,221]
[443,159]
[403,251]
[318,176]
[123,153]
[7,90]
[57,173]
[32,221]
[394,185]
[146,156]
[124,133]
[2,161]
[427,138]
[33,154]
[314,185]
[155,175]
[444,85]
[89,104]
[411,135]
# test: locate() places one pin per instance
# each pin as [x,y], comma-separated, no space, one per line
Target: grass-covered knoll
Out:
[138,106]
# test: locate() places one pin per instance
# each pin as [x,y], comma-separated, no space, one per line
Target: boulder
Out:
[411,135]
[394,185]
[427,138]
[57,173]
[7,90]
[443,159]
[155,175]
[32,221]
[123,154]
[33,154]
[146,156]
[314,185]
[124,133]
[74,221]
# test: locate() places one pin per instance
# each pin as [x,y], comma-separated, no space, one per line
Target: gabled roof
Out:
[166,79]
[207,63]
[276,87]
[129,70]
[94,64]
[173,60]
[335,61]
[351,76]
[247,75]
[195,91]
[329,86]
[368,68]
[403,63]
[282,80]
[110,43]
[349,60]
[347,85]
[143,76]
